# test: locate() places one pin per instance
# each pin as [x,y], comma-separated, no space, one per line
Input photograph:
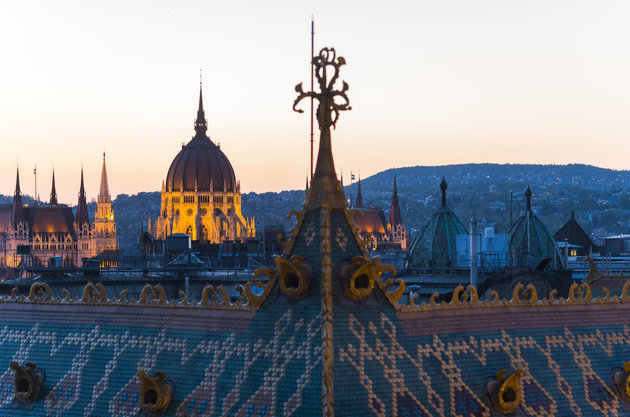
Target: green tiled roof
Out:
[435,246]
[530,241]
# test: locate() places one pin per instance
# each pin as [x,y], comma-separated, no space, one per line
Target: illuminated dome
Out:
[201,163]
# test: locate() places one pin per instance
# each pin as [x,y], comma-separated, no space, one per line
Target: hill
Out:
[599,196]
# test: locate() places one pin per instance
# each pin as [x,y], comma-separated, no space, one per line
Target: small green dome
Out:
[436,245]
[531,242]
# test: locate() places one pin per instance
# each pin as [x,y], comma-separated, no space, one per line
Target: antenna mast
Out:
[312,75]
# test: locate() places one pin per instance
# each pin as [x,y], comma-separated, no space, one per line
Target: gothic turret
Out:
[104,224]
[103,195]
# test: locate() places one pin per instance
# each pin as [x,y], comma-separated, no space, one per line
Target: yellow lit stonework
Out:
[104,225]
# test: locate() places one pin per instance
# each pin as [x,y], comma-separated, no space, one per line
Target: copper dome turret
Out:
[201,163]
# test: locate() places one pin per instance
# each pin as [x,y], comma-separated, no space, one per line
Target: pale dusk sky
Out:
[431,83]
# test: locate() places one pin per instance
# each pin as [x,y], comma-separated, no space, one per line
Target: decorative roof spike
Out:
[53,192]
[572,215]
[443,187]
[103,194]
[201,125]
[325,187]
[528,195]
[359,200]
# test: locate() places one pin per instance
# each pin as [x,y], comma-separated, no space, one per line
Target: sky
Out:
[431,83]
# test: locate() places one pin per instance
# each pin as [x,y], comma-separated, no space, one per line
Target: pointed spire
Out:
[82,212]
[201,125]
[394,212]
[443,187]
[528,195]
[359,200]
[17,183]
[572,215]
[395,194]
[103,195]
[18,208]
[53,192]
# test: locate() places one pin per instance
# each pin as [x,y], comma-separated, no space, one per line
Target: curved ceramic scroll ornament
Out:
[505,392]
[294,276]
[359,278]
[155,393]
[27,382]
[621,381]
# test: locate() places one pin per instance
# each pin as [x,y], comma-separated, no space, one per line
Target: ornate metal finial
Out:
[443,187]
[528,195]
[325,187]
[327,110]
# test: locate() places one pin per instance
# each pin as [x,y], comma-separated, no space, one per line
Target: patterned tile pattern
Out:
[567,370]
[91,369]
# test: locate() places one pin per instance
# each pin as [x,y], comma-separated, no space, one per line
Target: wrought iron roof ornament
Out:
[325,188]
[327,109]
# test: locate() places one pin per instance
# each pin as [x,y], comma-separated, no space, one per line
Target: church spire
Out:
[359,201]
[18,192]
[201,125]
[394,211]
[528,195]
[82,212]
[395,194]
[53,192]
[18,208]
[103,195]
